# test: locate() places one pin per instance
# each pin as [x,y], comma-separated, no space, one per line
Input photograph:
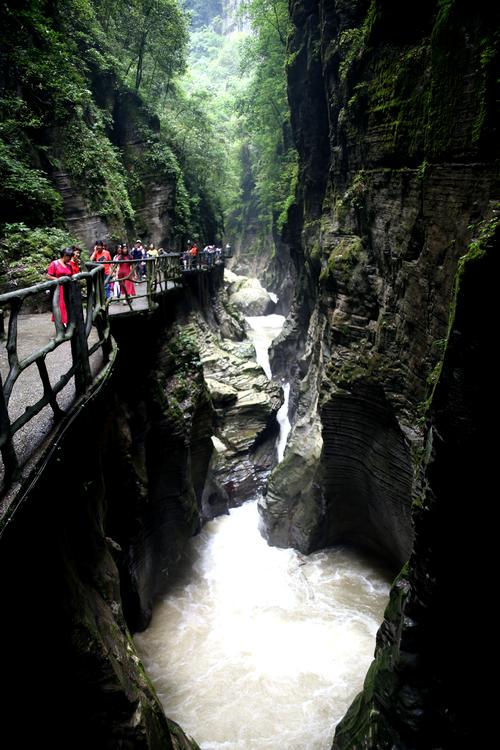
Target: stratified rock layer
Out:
[246,404]
[403,120]
[422,690]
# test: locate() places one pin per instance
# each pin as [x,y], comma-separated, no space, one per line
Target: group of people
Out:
[132,268]
[194,258]
[120,278]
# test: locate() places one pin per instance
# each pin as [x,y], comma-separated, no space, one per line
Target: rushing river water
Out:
[258,648]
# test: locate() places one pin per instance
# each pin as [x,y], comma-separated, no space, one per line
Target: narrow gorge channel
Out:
[256,647]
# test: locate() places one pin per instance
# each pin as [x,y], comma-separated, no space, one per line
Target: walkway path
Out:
[139,303]
[34,331]
[23,388]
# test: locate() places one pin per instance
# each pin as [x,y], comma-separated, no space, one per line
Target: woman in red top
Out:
[124,272]
[57,269]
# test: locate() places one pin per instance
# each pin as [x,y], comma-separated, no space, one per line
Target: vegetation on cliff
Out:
[237,64]
[100,100]
[90,105]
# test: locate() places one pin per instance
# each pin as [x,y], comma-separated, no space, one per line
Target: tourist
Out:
[101,255]
[193,256]
[139,254]
[58,269]
[124,272]
[76,259]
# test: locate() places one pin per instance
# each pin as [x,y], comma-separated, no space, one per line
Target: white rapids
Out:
[259,648]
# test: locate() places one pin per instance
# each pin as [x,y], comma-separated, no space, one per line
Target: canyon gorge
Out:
[381,257]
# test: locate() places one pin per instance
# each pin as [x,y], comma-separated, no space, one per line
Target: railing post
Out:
[150,269]
[102,316]
[6,442]
[79,348]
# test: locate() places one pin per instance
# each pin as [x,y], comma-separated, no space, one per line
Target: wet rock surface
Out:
[376,253]
[248,295]
[414,694]
[246,404]
[102,527]
[77,579]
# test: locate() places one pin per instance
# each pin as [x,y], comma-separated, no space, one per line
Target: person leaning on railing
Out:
[57,269]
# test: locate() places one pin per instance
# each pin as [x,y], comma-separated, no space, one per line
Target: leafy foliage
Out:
[152,37]
[242,75]
[26,253]
[64,66]
[265,113]
[78,77]
[50,119]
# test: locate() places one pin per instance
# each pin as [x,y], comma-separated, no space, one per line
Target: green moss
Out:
[177,389]
[344,255]
[351,44]
[350,47]
[422,171]
[485,232]
[449,67]
[95,166]
[398,96]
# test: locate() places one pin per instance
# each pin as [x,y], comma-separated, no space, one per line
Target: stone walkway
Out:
[34,332]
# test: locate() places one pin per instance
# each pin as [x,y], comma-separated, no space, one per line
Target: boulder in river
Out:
[248,295]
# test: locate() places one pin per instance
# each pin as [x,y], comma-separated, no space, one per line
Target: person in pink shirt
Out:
[58,268]
[124,272]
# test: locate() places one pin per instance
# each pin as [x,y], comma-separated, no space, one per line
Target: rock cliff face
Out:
[162,447]
[245,403]
[153,192]
[417,693]
[402,113]
[248,295]
[399,103]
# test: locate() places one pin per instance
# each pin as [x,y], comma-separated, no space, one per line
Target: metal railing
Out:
[85,301]
[87,296]
[152,274]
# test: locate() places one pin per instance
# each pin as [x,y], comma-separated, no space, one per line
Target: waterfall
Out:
[258,648]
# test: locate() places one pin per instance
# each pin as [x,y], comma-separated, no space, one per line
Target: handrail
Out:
[81,320]
[156,272]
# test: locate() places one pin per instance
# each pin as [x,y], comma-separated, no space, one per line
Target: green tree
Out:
[265,112]
[151,37]
[203,11]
